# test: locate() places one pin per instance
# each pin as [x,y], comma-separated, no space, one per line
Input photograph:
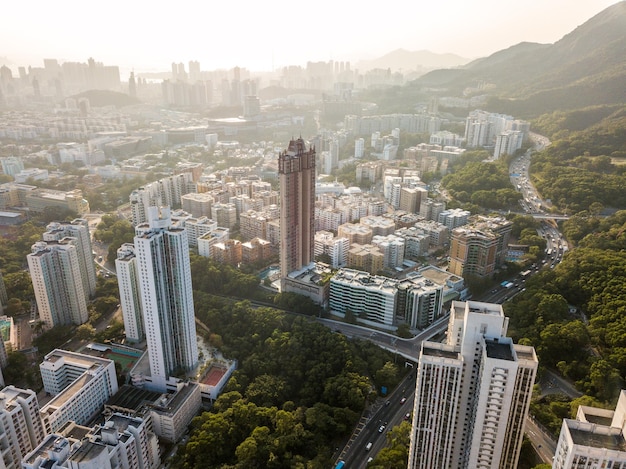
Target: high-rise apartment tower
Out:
[166,295]
[296,168]
[472,394]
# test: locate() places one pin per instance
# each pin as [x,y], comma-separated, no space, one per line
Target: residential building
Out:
[164,192]
[371,298]
[419,301]
[228,252]
[20,426]
[366,257]
[167,298]
[416,241]
[198,204]
[430,209]
[57,282]
[81,385]
[392,247]
[335,248]
[225,214]
[296,168]
[472,393]
[595,438]
[172,413]
[454,217]
[120,442]
[478,247]
[78,229]
[256,250]
[355,233]
[39,200]
[130,294]
[196,227]
[207,241]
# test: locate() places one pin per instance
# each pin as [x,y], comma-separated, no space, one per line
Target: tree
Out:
[387,376]
[85,332]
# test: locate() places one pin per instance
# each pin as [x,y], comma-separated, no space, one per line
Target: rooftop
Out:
[499,350]
[608,438]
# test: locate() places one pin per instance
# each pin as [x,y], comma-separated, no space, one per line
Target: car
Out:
[368,446]
[407,416]
[381,429]
[387,403]
[403,400]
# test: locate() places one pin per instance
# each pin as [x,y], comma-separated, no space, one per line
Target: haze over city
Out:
[262,36]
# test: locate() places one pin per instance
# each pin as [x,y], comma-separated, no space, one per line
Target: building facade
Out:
[472,393]
[296,169]
[57,282]
[166,293]
[130,294]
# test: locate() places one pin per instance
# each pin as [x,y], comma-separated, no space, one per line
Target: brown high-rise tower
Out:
[296,167]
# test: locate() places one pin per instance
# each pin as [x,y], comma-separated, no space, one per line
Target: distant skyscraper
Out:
[132,85]
[472,394]
[167,297]
[296,168]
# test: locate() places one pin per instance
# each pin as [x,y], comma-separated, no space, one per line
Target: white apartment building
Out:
[392,247]
[419,301]
[596,438]
[196,227]
[430,209]
[57,282]
[207,241]
[20,426]
[122,442]
[329,218]
[78,229]
[225,214]
[167,297]
[130,295]
[472,393]
[164,192]
[172,413]
[454,217]
[81,385]
[198,204]
[359,147]
[416,241]
[439,234]
[336,248]
[371,298]
[508,142]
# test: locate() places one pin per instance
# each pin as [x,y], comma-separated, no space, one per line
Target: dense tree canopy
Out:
[575,314]
[298,391]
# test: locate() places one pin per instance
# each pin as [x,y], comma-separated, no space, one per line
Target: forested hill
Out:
[585,166]
[586,67]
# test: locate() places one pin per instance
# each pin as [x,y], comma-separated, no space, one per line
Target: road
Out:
[390,412]
[543,443]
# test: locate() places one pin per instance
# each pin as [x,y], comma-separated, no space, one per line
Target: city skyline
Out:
[136,36]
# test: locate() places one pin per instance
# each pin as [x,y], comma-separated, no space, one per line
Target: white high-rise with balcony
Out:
[55,272]
[130,294]
[472,394]
[165,283]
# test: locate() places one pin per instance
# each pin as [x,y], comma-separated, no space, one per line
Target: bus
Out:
[340,465]
[525,274]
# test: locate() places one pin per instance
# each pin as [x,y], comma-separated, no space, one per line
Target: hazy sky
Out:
[261,35]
